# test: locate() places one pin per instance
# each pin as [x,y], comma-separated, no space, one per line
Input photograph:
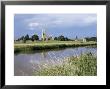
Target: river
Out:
[25,64]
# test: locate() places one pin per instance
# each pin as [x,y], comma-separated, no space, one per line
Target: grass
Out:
[84,65]
[39,45]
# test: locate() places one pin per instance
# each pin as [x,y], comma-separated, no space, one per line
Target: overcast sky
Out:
[69,25]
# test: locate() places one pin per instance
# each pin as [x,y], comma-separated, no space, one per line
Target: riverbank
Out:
[83,65]
[19,47]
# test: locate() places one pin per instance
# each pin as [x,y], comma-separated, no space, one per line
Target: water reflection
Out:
[26,63]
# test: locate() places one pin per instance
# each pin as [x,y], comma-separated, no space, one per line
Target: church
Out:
[46,37]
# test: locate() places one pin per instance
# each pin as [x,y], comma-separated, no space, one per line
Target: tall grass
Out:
[83,65]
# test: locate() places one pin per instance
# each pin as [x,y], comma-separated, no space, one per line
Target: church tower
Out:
[43,35]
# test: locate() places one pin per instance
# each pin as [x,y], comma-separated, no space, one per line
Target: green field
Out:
[40,45]
[84,65]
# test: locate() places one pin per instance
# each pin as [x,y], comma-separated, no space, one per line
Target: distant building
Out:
[76,39]
[43,35]
[84,40]
[46,37]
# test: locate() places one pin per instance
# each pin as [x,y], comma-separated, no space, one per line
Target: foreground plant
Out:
[84,65]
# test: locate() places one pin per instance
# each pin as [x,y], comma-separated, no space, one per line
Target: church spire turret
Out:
[43,35]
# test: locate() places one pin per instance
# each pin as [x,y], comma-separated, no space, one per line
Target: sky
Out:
[68,25]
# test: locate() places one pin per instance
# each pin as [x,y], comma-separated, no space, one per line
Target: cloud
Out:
[78,20]
[33,25]
[90,19]
[59,20]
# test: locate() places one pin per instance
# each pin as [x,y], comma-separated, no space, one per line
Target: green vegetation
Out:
[35,37]
[43,45]
[62,38]
[91,38]
[84,65]
[27,38]
[26,43]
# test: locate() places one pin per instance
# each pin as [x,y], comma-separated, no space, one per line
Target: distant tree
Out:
[24,40]
[18,39]
[55,38]
[91,38]
[66,39]
[21,38]
[26,37]
[50,38]
[35,37]
[61,38]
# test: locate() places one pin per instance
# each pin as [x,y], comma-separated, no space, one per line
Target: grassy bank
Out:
[84,65]
[18,47]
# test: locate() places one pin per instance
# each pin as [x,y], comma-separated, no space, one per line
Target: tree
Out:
[26,37]
[55,38]
[24,40]
[35,37]
[66,39]
[61,38]
[91,38]
[50,38]
[21,38]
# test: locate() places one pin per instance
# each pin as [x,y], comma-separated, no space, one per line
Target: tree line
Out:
[35,37]
[91,38]
[62,38]
[26,37]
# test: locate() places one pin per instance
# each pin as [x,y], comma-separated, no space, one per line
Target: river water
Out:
[25,64]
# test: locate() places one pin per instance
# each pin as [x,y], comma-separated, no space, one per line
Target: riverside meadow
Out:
[39,45]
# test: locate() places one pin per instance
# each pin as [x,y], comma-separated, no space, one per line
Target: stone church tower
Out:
[46,37]
[43,35]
